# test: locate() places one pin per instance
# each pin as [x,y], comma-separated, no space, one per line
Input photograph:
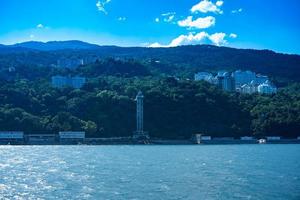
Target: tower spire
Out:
[139,133]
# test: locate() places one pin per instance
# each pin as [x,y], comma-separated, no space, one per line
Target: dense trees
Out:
[105,107]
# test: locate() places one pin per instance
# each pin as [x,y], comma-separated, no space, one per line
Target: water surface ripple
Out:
[150,172]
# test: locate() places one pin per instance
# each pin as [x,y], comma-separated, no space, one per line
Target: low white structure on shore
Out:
[245,138]
[273,138]
[223,138]
[206,138]
[71,135]
[11,135]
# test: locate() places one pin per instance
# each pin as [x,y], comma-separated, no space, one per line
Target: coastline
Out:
[130,141]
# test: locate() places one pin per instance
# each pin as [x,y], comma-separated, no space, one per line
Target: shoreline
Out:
[127,141]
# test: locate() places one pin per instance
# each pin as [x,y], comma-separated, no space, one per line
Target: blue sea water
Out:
[150,172]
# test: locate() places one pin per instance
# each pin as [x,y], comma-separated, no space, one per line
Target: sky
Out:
[258,24]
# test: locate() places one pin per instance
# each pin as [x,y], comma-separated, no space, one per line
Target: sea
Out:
[257,171]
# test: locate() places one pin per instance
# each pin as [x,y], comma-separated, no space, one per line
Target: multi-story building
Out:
[71,63]
[241,81]
[260,79]
[205,76]
[249,88]
[63,81]
[266,88]
[226,82]
[243,77]
[78,82]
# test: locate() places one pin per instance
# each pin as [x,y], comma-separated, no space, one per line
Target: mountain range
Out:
[191,58]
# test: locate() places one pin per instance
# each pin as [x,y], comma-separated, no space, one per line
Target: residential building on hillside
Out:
[266,88]
[226,82]
[249,88]
[260,79]
[243,77]
[247,82]
[71,63]
[205,76]
[63,81]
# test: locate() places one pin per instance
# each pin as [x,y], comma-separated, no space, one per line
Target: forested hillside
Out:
[175,105]
[183,60]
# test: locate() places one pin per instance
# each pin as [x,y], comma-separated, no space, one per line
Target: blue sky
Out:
[256,24]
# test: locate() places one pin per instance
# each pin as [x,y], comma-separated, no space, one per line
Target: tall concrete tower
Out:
[139,133]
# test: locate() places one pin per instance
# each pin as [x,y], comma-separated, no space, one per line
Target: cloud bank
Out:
[206,6]
[194,39]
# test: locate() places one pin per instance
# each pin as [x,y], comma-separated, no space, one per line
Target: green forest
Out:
[174,107]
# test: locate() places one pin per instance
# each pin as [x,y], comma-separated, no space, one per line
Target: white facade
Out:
[266,88]
[224,138]
[205,137]
[273,138]
[243,77]
[249,88]
[11,135]
[260,79]
[78,82]
[71,135]
[205,76]
[226,82]
[245,138]
[63,81]
[71,63]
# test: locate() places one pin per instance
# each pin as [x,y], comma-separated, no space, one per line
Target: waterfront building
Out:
[139,133]
[266,88]
[205,137]
[270,138]
[246,138]
[40,138]
[63,81]
[226,82]
[71,136]
[11,136]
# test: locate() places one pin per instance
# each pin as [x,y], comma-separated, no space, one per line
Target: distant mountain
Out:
[56,45]
[173,61]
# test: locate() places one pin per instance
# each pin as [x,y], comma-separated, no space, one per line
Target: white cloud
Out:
[218,39]
[40,26]
[237,11]
[189,39]
[219,3]
[169,18]
[31,36]
[122,19]
[168,13]
[199,23]
[101,5]
[206,6]
[233,35]
[193,39]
